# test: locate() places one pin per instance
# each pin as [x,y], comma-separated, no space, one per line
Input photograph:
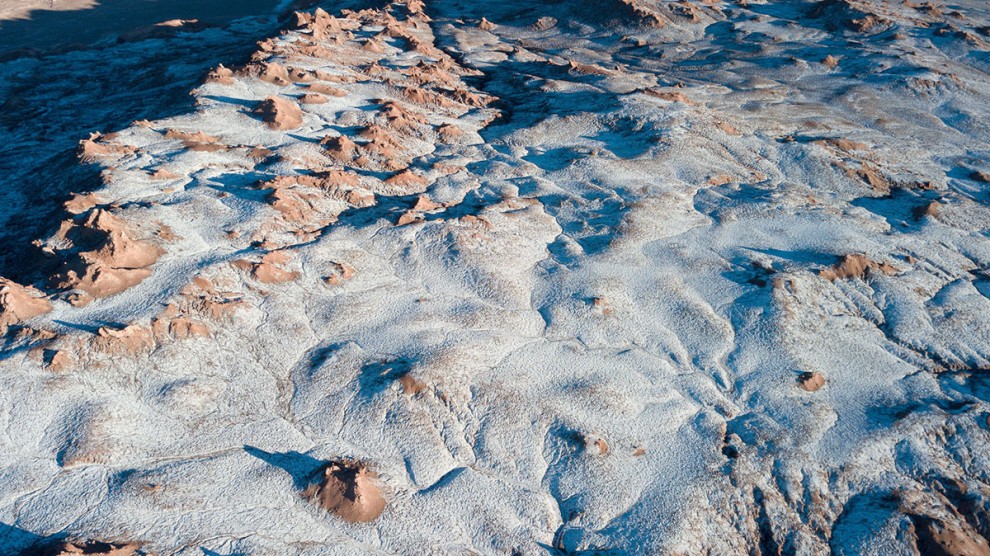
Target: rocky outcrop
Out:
[279,113]
[101,255]
[19,303]
[350,490]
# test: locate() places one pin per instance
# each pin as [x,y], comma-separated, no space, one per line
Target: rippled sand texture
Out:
[451,277]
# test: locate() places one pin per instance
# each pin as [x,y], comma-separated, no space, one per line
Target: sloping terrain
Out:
[449,277]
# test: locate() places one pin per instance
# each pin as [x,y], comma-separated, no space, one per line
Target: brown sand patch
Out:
[163,30]
[595,445]
[374,46]
[602,307]
[468,98]
[297,75]
[323,26]
[720,179]
[202,297]
[350,490]
[424,203]
[295,205]
[400,118]
[846,145]
[260,153]
[427,98]
[870,175]
[589,69]
[432,74]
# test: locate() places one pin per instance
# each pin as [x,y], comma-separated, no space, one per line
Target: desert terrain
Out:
[444,277]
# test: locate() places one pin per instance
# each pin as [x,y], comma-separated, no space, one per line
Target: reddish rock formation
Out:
[811,381]
[339,273]
[19,303]
[312,98]
[91,548]
[279,113]
[855,266]
[341,148]
[80,203]
[407,178]
[58,361]
[182,328]
[97,146]
[449,133]
[109,259]
[221,75]
[131,340]
[350,490]
[327,90]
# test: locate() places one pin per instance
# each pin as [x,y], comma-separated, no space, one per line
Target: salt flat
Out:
[495,278]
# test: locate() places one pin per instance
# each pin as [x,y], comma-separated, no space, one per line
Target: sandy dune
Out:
[442,277]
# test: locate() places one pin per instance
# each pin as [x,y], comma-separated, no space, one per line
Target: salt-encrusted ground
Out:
[572,277]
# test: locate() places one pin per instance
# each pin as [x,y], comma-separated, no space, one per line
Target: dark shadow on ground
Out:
[47,105]
[299,466]
[46,29]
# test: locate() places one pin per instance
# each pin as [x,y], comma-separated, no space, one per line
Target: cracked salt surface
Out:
[669,280]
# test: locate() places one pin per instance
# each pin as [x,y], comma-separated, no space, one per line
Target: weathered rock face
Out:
[19,303]
[103,258]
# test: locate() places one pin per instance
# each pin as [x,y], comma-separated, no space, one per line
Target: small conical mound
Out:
[350,490]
